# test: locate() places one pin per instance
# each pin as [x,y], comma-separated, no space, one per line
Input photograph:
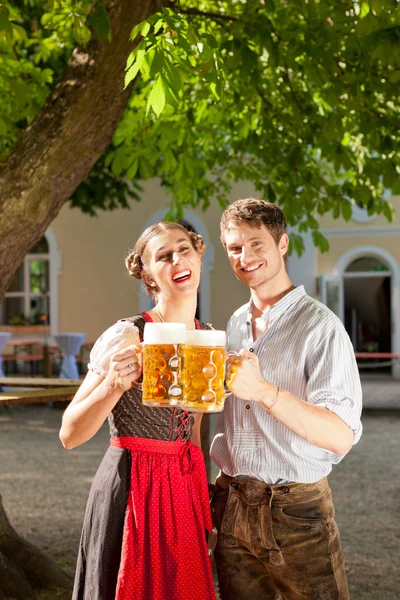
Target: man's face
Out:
[254,255]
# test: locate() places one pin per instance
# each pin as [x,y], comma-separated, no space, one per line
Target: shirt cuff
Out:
[345,410]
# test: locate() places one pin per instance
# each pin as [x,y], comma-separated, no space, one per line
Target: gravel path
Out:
[44,490]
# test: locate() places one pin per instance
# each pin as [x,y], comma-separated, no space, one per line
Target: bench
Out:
[41,382]
[49,390]
[60,394]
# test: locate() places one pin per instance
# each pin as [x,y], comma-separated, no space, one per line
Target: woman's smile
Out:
[182,276]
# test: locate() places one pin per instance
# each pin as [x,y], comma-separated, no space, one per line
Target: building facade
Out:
[78,277]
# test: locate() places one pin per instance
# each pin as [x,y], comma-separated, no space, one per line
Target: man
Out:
[294,411]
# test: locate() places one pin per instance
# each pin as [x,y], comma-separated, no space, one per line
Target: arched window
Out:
[27,298]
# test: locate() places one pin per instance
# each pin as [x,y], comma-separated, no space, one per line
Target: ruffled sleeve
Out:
[117,337]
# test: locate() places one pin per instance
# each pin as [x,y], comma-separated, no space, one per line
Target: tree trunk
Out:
[74,128]
[55,154]
[24,568]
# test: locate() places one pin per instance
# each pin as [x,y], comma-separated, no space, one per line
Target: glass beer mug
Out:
[203,371]
[161,362]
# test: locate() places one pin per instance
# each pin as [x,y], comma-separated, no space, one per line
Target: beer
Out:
[203,371]
[161,385]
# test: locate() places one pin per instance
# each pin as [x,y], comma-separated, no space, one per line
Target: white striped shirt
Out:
[306,351]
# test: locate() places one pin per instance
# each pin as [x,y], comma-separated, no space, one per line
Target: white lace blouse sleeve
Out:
[117,337]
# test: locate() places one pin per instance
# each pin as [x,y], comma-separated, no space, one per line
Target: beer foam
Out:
[164,333]
[206,337]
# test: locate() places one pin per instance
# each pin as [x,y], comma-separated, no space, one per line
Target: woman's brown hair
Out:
[134,260]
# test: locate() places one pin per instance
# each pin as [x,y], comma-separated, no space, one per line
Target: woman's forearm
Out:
[87,413]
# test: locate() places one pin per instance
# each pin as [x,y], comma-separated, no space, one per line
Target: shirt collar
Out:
[275,311]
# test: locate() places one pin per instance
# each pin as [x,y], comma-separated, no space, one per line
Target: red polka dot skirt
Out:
[164,549]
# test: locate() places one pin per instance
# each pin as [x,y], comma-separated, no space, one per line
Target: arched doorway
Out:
[364,291]
[367,304]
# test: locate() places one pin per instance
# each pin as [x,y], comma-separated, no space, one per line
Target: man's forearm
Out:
[316,424]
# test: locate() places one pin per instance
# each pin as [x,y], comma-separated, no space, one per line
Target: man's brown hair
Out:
[255,213]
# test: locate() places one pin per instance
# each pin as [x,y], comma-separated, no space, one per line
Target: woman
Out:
[144,533]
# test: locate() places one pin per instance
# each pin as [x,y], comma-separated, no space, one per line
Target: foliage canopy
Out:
[299,98]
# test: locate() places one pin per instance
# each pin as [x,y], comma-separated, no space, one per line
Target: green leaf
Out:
[377,6]
[216,89]
[175,213]
[389,174]
[100,22]
[296,243]
[388,211]
[169,160]
[136,66]
[144,28]
[135,32]
[346,139]
[133,169]
[157,63]
[5,24]
[147,61]
[171,96]
[20,31]
[320,241]
[347,210]
[234,60]
[365,8]
[336,210]
[108,159]
[395,77]
[271,194]
[158,24]
[117,165]
[156,99]
[145,170]
[173,76]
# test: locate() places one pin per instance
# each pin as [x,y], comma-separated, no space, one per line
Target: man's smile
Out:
[251,268]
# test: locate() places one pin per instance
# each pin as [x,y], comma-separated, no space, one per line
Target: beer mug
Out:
[161,385]
[203,371]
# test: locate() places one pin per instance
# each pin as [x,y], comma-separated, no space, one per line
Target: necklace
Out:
[162,320]
[158,314]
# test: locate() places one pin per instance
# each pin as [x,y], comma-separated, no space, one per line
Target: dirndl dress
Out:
[144,531]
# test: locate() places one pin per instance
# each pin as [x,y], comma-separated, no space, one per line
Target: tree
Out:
[285,94]
[46,156]
[299,98]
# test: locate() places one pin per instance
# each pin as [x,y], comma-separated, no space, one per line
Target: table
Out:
[4,337]
[39,382]
[59,394]
[69,344]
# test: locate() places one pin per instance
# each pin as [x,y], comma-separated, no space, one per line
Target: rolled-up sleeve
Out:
[333,377]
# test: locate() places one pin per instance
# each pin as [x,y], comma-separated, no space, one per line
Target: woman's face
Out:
[171,262]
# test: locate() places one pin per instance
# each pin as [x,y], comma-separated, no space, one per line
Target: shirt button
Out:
[251,349]
[247,322]
[247,406]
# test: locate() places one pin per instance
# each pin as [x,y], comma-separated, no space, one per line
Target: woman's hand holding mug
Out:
[125,368]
